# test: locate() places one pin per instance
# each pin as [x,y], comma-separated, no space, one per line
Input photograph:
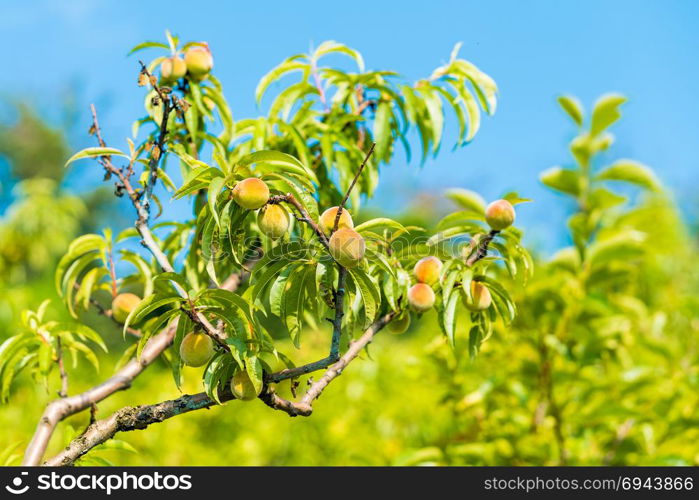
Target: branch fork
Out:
[132,418]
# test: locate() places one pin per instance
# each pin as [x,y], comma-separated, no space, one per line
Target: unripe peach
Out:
[199,61]
[480,297]
[173,68]
[273,221]
[427,270]
[421,297]
[327,220]
[500,215]
[242,387]
[347,247]
[196,349]
[123,304]
[400,324]
[251,193]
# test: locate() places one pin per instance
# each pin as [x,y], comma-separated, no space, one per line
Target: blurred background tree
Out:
[39,213]
[32,147]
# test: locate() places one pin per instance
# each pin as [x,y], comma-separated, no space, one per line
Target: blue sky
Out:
[535,50]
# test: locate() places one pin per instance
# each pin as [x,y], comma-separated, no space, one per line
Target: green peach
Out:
[251,193]
[347,247]
[427,270]
[172,69]
[327,220]
[421,297]
[273,221]
[242,387]
[199,61]
[123,304]
[196,349]
[500,215]
[400,324]
[480,297]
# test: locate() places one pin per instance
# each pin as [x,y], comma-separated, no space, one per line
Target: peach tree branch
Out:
[305,407]
[147,238]
[158,150]
[59,409]
[341,271]
[339,295]
[126,419]
[305,216]
[62,408]
[132,418]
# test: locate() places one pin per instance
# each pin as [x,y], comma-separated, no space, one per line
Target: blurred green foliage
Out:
[41,216]
[32,147]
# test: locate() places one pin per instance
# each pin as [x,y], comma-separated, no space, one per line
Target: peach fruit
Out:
[242,387]
[500,215]
[427,270]
[480,297]
[251,193]
[273,221]
[421,297]
[327,220]
[196,349]
[347,247]
[123,304]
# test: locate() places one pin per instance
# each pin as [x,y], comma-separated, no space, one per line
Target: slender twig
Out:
[158,150]
[351,186]
[147,238]
[342,272]
[304,407]
[481,250]
[364,105]
[305,216]
[62,369]
[297,371]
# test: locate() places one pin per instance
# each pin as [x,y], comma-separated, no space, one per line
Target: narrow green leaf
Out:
[562,179]
[449,318]
[371,296]
[470,200]
[606,112]
[379,223]
[632,172]
[94,153]
[148,305]
[571,105]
